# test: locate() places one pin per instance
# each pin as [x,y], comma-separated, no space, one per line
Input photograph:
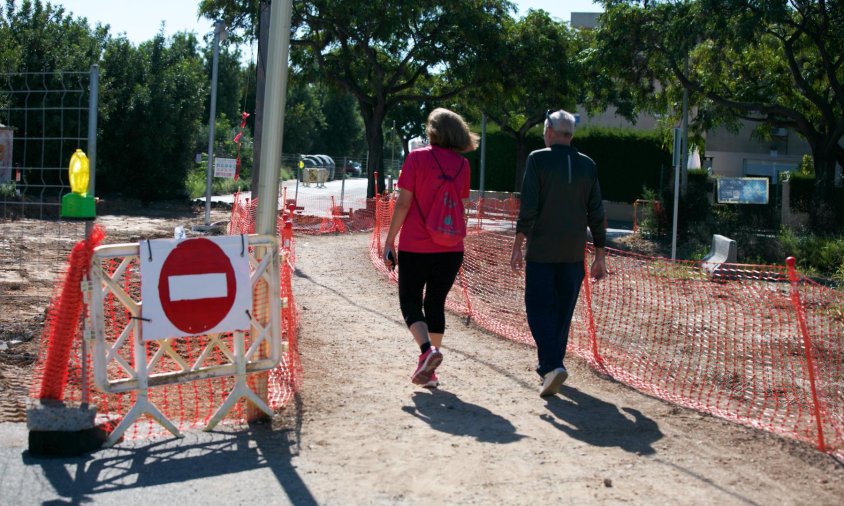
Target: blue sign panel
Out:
[743,190]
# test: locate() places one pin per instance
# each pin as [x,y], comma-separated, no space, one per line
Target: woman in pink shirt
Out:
[427,269]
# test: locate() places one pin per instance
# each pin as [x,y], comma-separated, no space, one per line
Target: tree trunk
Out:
[373,119]
[260,89]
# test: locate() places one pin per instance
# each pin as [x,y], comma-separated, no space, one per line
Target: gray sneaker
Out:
[552,381]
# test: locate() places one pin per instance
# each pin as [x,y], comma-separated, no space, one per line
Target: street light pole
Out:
[219,32]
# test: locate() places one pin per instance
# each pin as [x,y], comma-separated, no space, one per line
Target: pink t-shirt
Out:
[421,175]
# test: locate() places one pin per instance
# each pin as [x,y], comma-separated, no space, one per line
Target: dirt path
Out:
[486,436]
[361,433]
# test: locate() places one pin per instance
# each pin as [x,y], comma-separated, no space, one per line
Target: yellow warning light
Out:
[79,204]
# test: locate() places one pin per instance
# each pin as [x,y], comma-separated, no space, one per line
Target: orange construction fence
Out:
[758,345]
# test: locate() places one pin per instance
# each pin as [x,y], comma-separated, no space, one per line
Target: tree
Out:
[46,50]
[383,52]
[152,101]
[343,132]
[229,79]
[247,21]
[774,62]
[534,73]
[47,38]
[303,115]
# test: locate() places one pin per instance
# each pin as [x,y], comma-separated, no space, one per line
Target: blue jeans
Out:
[551,291]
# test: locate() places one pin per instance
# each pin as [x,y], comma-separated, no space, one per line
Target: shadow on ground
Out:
[600,423]
[446,412]
[198,456]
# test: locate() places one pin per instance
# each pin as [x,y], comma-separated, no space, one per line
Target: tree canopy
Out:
[535,72]
[774,62]
[386,52]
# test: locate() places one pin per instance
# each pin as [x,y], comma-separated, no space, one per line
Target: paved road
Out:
[248,466]
[347,193]
[351,193]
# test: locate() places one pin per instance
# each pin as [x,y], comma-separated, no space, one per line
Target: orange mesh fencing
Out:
[187,405]
[65,316]
[334,208]
[743,342]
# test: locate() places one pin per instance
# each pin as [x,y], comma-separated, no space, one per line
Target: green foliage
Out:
[767,61]
[8,190]
[814,253]
[802,188]
[500,163]
[321,119]
[627,160]
[386,53]
[152,99]
[806,167]
[521,88]
[196,183]
[343,132]
[45,50]
[46,38]
[649,220]
[230,84]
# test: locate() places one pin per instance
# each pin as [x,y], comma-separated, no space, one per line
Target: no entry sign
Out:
[194,286]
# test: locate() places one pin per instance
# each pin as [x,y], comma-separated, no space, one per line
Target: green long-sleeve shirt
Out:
[560,198]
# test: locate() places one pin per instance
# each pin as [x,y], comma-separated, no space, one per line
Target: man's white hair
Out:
[561,122]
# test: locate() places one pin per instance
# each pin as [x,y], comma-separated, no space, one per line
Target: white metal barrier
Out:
[113,372]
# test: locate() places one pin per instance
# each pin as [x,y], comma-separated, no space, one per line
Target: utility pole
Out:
[219,33]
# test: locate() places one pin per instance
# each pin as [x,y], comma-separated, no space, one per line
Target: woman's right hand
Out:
[390,258]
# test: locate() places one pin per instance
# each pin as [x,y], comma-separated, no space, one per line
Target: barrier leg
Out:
[142,405]
[241,388]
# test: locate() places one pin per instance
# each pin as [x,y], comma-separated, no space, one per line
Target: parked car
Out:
[354,169]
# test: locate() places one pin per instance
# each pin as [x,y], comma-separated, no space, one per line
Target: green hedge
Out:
[627,160]
[802,187]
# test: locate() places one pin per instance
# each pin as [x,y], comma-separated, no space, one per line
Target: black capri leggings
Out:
[433,273]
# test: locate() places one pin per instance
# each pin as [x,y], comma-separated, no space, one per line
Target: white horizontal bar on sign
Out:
[197,286]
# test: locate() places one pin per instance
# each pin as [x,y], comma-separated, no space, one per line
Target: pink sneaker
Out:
[433,382]
[428,363]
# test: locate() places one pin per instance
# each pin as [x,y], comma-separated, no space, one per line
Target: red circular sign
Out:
[191,258]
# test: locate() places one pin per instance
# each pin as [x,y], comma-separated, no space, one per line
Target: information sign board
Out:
[743,190]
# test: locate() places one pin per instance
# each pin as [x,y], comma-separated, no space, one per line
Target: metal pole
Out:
[343,181]
[677,158]
[274,103]
[298,176]
[684,149]
[483,155]
[93,105]
[219,28]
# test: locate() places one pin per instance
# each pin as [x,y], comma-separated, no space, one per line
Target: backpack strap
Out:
[444,176]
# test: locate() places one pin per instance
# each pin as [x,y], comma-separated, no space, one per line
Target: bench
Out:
[724,250]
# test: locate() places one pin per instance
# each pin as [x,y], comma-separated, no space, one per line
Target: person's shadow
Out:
[600,423]
[445,412]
